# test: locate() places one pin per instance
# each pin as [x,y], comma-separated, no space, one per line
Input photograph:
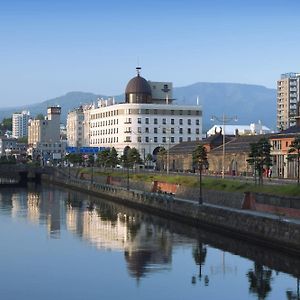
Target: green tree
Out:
[161,158]
[39,116]
[91,159]
[200,160]
[74,158]
[133,157]
[6,124]
[148,159]
[103,158]
[260,157]
[113,159]
[294,154]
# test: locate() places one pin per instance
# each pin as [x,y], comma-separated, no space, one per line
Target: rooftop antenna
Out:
[197,100]
[138,70]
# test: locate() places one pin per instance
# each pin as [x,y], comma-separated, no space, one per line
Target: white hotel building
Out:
[147,120]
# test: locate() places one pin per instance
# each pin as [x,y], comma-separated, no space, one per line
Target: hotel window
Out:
[180,139]
[172,121]
[189,121]
[164,130]
[155,129]
[147,139]
[164,139]
[172,130]
[197,122]
[139,139]
[180,122]
[197,131]
[155,121]
[172,139]
[139,130]
[164,121]
[147,129]
[189,131]
[139,120]
[147,120]
[155,139]
[181,130]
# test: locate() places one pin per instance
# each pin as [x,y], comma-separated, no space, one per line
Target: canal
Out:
[60,244]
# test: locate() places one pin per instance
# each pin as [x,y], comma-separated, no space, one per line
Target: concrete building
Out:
[252,129]
[75,133]
[147,120]
[20,124]
[11,147]
[288,96]
[44,136]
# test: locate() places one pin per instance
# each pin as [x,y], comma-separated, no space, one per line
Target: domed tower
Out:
[138,90]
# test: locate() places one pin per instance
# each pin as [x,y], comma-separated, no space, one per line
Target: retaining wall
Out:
[264,229]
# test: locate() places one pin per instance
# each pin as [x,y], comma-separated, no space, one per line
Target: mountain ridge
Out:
[250,102]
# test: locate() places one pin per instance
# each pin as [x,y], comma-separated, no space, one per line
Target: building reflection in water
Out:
[146,241]
[147,247]
[38,207]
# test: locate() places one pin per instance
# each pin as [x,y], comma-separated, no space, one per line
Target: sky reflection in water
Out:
[57,244]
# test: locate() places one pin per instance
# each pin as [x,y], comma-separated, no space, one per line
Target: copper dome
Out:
[138,85]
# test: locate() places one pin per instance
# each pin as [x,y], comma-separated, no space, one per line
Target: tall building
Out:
[44,136]
[75,132]
[20,124]
[288,97]
[147,120]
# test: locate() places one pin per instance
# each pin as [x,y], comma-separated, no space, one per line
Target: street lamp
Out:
[225,120]
[127,184]
[168,156]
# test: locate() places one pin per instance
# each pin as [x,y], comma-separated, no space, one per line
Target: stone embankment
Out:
[230,213]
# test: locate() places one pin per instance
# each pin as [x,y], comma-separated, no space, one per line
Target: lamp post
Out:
[92,175]
[225,120]
[127,185]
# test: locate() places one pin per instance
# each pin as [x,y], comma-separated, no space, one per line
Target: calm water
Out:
[58,244]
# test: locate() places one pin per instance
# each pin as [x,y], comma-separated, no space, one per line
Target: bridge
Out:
[21,174]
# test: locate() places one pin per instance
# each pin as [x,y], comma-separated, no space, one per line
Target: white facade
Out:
[252,129]
[75,134]
[143,126]
[44,136]
[20,124]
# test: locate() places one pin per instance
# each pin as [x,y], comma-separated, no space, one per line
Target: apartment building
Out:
[20,124]
[288,96]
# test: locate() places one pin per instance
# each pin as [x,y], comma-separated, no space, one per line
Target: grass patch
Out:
[219,184]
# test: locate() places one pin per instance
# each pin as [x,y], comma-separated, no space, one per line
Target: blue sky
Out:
[48,48]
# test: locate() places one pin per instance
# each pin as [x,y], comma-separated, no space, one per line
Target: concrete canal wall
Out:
[262,228]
